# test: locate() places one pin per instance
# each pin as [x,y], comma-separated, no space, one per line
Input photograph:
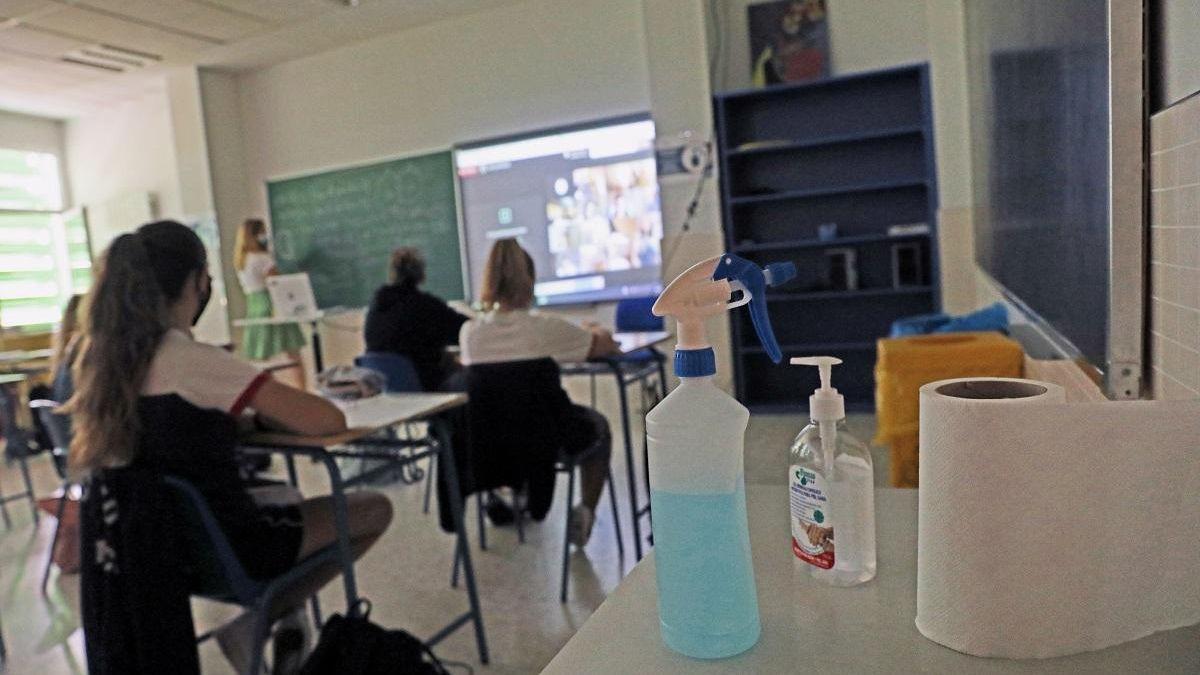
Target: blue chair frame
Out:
[17,448]
[400,377]
[398,370]
[58,428]
[232,583]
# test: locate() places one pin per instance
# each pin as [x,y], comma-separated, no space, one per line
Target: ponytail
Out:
[126,314]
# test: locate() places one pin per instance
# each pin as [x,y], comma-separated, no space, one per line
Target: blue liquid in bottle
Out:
[707,606]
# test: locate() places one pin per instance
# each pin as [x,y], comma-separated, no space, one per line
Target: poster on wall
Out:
[789,41]
[213,326]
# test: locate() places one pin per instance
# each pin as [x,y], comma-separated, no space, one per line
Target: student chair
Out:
[17,448]
[217,574]
[518,415]
[635,315]
[58,428]
[400,376]
[398,370]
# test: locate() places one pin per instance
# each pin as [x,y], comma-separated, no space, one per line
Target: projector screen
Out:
[582,200]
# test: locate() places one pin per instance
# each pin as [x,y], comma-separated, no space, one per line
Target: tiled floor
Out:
[406,576]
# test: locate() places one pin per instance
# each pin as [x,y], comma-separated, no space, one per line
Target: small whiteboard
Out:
[292,296]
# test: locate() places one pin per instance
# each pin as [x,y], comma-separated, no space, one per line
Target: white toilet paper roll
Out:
[1048,528]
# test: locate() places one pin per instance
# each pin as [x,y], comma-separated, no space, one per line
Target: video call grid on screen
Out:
[583,201]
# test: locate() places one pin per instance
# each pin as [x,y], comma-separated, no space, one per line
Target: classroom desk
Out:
[617,366]
[29,362]
[311,319]
[811,627]
[366,418]
[14,434]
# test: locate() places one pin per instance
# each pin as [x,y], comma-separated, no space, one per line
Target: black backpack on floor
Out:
[355,646]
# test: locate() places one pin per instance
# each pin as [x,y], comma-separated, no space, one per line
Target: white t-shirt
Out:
[253,274]
[521,335]
[206,376]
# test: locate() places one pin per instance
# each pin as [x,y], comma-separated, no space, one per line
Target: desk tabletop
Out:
[633,341]
[22,355]
[12,378]
[279,320]
[367,416]
[811,627]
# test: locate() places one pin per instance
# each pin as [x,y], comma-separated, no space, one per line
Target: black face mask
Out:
[204,298]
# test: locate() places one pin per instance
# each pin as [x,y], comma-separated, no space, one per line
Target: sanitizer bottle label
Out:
[812,527]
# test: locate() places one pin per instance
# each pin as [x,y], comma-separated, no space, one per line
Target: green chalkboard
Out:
[341,226]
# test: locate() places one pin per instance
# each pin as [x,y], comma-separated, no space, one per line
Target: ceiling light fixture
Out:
[91,64]
[112,57]
[136,53]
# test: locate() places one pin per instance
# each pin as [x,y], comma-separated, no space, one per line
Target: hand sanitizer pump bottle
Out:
[707,603]
[831,490]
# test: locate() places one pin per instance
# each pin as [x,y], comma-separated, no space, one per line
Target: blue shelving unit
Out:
[856,151]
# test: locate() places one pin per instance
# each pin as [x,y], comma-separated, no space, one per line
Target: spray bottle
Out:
[831,490]
[707,603]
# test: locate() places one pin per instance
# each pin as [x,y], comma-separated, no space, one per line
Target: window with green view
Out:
[44,254]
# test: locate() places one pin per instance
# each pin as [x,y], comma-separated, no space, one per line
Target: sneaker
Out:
[291,643]
[498,512]
[579,527]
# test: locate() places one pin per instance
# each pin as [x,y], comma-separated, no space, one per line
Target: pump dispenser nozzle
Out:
[825,406]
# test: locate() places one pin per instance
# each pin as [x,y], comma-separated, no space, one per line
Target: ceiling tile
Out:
[18,8]
[28,40]
[100,28]
[279,11]
[187,15]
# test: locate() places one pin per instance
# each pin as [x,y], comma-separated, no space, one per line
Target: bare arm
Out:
[603,344]
[297,411]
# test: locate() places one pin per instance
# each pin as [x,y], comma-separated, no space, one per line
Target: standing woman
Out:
[254,263]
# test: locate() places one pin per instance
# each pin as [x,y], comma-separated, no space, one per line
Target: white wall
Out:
[152,144]
[520,67]
[680,98]
[123,149]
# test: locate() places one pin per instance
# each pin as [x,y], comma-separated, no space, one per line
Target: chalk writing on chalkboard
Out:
[340,226]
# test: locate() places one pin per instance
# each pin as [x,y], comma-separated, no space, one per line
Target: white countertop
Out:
[810,627]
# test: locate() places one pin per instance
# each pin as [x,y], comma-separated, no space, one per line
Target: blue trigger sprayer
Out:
[707,603]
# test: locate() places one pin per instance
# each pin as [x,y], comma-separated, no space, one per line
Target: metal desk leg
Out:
[58,518]
[290,462]
[446,450]
[318,359]
[341,521]
[662,384]
[24,462]
[630,469]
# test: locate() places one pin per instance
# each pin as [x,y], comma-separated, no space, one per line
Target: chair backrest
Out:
[518,412]
[633,314]
[58,428]
[215,570]
[16,437]
[397,369]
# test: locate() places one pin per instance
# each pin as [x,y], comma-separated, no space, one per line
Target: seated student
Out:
[403,319]
[59,390]
[511,331]
[149,396]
